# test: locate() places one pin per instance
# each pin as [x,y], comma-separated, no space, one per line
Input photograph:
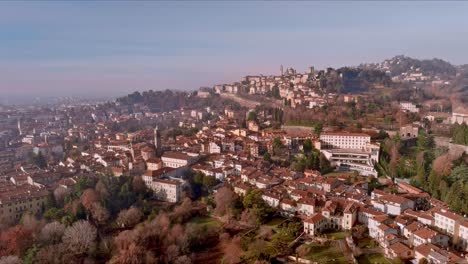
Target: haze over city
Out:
[113,48]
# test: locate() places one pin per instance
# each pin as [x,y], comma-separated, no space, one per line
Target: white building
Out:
[177,159]
[350,151]
[408,106]
[341,140]
[166,190]
[448,221]
[459,118]
[392,204]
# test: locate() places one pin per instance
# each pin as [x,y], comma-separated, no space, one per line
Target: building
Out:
[409,107]
[165,187]
[342,140]
[350,151]
[315,224]
[15,200]
[177,159]
[448,222]
[392,204]
[459,115]
[409,131]
[166,190]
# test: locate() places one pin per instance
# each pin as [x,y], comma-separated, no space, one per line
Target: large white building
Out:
[459,118]
[408,106]
[177,159]
[341,140]
[350,151]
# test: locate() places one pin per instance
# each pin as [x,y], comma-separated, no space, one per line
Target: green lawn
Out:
[373,259]
[205,220]
[337,235]
[325,254]
[275,221]
[367,243]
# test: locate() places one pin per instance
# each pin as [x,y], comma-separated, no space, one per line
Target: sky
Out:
[110,48]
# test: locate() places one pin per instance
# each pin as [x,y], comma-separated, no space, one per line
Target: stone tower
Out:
[19,128]
[157,140]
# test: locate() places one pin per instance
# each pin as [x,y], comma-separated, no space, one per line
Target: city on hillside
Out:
[183,132]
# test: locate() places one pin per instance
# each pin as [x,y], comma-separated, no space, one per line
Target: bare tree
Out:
[52,233]
[138,184]
[182,212]
[443,165]
[80,238]
[133,254]
[129,217]
[183,260]
[224,198]
[101,190]
[99,213]
[232,250]
[60,194]
[248,218]
[88,198]
[10,260]
[172,252]
[31,223]
[302,250]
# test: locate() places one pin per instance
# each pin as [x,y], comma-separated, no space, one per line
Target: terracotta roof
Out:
[315,218]
[399,248]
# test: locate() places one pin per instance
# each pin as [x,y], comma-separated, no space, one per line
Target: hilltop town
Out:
[362,164]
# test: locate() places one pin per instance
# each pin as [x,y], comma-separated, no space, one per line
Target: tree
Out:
[80,238]
[138,184]
[209,182]
[10,260]
[307,146]
[15,241]
[252,116]
[325,165]
[318,128]
[52,233]
[232,250]
[99,213]
[277,144]
[253,201]
[224,199]
[460,134]
[129,217]
[89,198]
[442,165]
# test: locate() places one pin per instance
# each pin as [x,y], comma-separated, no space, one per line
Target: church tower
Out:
[19,128]
[281,70]
[157,140]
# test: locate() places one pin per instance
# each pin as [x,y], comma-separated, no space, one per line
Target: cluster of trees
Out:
[360,80]
[201,184]
[448,181]
[444,176]
[167,100]
[76,223]
[401,64]
[260,242]
[249,210]
[311,159]
[460,134]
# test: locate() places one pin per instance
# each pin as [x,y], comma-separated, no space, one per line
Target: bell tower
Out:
[157,140]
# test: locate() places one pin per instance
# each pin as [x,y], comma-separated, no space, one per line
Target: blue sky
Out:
[111,48]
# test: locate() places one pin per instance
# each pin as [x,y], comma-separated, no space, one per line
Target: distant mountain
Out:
[402,64]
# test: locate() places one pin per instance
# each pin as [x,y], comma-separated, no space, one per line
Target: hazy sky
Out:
[110,48]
